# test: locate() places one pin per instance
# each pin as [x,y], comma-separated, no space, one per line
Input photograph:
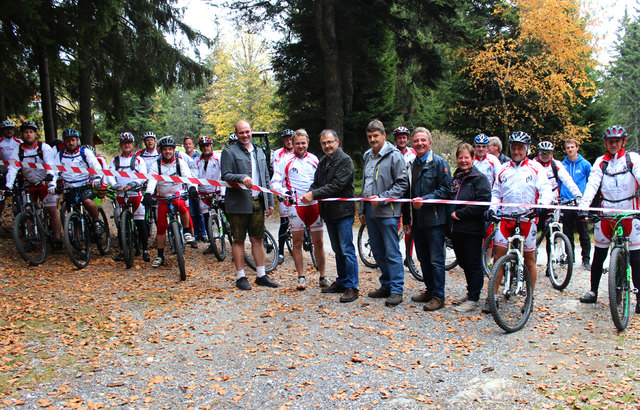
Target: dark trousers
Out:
[571,222]
[429,243]
[600,254]
[468,249]
[199,229]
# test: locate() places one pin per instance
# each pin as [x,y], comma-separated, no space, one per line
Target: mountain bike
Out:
[511,299]
[620,285]
[559,252]
[218,226]
[270,252]
[128,234]
[175,233]
[32,231]
[307,244]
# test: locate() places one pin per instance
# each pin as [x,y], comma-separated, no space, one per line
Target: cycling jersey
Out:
[524,183]
[31,156]
[82,158]
[563,176]
[124,164]
[208,168]
[409,154]
[489,166]
[7,147]
[148,157]
[165,188]
[295,175]
[281,155]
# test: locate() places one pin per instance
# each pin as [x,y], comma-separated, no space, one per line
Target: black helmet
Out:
[615,131]
[166,142]
[233,138]
[7,124]
[126,137]
[70,132]
[521,137]
[287,133]
[28,124]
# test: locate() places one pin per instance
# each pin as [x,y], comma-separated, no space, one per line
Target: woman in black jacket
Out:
[467,224]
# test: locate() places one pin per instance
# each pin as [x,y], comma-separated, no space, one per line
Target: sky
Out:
[202,14]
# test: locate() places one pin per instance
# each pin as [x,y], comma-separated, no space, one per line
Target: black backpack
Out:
[132,165]
[597,201]
[21,153]
[177,166]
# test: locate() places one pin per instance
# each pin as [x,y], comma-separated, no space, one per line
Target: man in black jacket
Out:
[334,179]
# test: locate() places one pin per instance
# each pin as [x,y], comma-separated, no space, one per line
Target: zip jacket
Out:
[579,171]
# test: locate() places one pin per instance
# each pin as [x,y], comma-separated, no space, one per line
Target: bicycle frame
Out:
[515,246]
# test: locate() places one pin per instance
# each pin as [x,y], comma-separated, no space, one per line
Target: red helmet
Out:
[204,140]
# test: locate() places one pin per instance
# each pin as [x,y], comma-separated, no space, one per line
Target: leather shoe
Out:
[335,287]
[280,259]
[423,297]
[393,299]
[586,265]
[379,293]
[265,281]
[589,297]
[349,295]
[434,304]
[145,256]
[243,284]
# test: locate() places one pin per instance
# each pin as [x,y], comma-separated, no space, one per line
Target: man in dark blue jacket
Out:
[429,178]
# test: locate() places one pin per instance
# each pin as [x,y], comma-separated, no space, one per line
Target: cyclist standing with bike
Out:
[8,144]
[520,181]
[169,164]
[295,175]
[208,168]
[282,155]
[130,162]
[614,181]
[486,163]
[36,152]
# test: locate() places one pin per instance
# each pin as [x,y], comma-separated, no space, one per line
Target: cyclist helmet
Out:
[166,142]
[286,133]
[7,124]
[521,137]
[28,124]
[233,138]
[149,134]
[481,139]
[126,137]
[545,146]
[615,131]
[204,140]
[401,130]
[70,132]
[91,148]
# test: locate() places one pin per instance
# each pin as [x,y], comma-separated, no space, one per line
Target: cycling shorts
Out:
[42,193]
[505,230]
[138,208]
[309,215]
[82,193]
[603,231]
[163,210]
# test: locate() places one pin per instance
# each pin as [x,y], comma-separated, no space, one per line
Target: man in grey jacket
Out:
[384,176]
[246,164]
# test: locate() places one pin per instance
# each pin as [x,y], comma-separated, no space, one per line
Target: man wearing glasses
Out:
[486,163]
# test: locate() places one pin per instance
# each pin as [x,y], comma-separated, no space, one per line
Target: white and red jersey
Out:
[41,153]
[123,163]
[295,174]
[563,176]
[489,165]
[524,183]
[82,157]
[279,155]
[7,147]
[409,154]
[209,168]
[164,189]
[618,184]
[149,157]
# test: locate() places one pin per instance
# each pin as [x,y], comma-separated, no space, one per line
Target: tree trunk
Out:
[84,83]
[3,105]
[54,108]
[347,83]
[45,95]
[326,33]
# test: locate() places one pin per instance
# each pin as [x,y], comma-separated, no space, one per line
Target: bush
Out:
[444,145]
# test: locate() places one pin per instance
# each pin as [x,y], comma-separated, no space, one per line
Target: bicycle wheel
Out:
[178,247]
[76,239]
[487,254]
[216,237]
[560,261]
[619,288]
[270,253]
[411,259]
[30,238]
[510,307]
[103,240]
[364,248]
[450,260]
[126,237]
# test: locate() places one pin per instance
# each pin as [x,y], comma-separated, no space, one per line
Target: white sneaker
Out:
[467,306]
[157,262]
[188,238]
[302,284]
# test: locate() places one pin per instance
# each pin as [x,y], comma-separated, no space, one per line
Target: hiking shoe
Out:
[379,293]
[349,295]
[393,299]
[460,299]
[434,304]
[323,282]
[335,287]
[422,297]
[157,262]
[586,264]
[589,297]
[243,283]
[467,306]
[302,283]
[145,256]
[265,281]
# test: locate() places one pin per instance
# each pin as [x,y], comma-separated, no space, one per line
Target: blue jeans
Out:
[341,236]
[429,243]
[199,230]
[383,238]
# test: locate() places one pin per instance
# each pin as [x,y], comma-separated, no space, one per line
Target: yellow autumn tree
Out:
[537,73]
[243,87]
